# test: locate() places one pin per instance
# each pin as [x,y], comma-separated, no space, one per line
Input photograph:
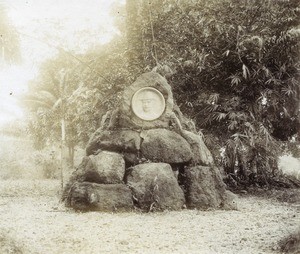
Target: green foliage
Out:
[44,101]
[80,88]
[236,69]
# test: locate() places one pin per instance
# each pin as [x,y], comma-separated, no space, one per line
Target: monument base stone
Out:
[88,196]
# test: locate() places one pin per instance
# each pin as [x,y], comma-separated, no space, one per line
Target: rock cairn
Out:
[151,161]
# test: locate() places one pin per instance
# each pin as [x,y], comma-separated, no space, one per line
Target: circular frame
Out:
[148,103]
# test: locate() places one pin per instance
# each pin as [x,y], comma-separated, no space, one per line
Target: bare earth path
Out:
[32,221]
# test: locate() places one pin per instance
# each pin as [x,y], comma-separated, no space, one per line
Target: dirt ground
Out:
[33,221]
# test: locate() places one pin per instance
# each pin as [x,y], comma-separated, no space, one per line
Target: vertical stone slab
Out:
[205,189]
[201,154]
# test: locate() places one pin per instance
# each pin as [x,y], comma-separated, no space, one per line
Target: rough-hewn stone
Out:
[87,196]
[205,189]
[201,154]
[155,187]
[109,166]
[161,145]
[116,141]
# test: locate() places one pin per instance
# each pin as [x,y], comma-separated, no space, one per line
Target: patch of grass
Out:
[288,195]
[29,188]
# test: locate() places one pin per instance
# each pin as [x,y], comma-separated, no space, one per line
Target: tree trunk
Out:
[71,148]
[62,148]
[134,36]
[63,128]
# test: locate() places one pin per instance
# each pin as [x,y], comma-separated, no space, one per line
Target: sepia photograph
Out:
[150,126]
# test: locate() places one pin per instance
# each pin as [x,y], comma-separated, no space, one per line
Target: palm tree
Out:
[53,103]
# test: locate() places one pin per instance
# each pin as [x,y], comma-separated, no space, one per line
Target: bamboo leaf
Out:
[246,72]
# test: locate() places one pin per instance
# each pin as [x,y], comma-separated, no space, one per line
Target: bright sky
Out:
[75,25]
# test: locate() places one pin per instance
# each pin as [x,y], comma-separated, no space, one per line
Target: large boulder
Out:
[155,187]
[201,154]
[87,196]
[116,141]
[161,145]
[205,189]
[109,166]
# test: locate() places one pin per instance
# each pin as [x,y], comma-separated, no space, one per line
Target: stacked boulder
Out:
[146,160]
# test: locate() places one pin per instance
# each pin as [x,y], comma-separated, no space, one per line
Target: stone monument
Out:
[146,155]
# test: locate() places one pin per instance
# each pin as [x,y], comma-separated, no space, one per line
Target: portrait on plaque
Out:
[148,103]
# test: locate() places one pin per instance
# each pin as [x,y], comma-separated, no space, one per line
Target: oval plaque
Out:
[148,103]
